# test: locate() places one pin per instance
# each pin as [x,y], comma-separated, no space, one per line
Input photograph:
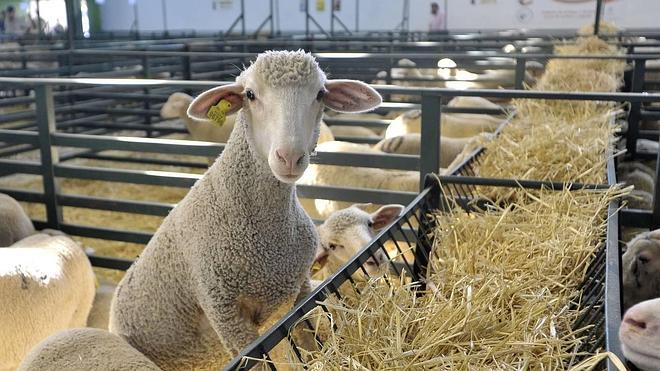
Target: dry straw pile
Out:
[503,283]
[503,290]
[561,140]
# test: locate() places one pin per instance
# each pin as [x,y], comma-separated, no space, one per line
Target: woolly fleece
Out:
[234,249]
[14,223]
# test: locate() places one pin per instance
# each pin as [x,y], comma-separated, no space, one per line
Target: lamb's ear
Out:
[200,106]
[350,96]
[363,206]
[385,215]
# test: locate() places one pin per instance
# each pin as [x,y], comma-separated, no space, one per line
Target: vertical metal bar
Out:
[187,69]
[307,18]
[613,284]
[242,17]
[599,9]
[635,107]
[49,157]
[521,64]
[429,161]
[655,223]
[357,15]
[147,103]
[272,20]
[332,17]
[39,30]
[164,7]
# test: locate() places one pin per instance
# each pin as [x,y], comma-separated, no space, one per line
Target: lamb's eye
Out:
[333,246]
[250,95]
[320,95]
[370,224]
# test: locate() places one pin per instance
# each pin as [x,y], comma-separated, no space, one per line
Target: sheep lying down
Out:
[14,222]
[640,335]
[47,285]
[80,349]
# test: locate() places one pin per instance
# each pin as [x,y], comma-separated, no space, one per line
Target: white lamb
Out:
[641,180]
[455,125]
[640,335]
[472,102]
[46,285]
[640,265]
[450,148]
[14,222]
[346,231]
[85,349]
[239,245]
[177,104]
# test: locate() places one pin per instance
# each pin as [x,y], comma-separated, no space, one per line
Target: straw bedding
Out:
[502,293]
[502,283]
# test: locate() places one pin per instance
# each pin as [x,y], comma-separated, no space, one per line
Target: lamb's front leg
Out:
[228,319]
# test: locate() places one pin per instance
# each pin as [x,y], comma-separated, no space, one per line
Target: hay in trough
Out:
[503,293]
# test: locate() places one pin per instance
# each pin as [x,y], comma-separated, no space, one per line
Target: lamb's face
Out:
[641,267]
[285,124]
[640,335]
[347,231]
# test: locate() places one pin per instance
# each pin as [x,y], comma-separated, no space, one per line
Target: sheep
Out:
[85,349]
[639,333]
[346,231]
[450,148]
[177,105]
[14,222]
[630,166]
[641,268]
[472,102]
[647,146]
[639,199]
[641,180]
[455,125]
[47,285]
[100,313]
[239,245]
[345,176]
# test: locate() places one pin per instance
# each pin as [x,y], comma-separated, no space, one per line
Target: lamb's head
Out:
[282,95]
[347,231]
[641,268]
[640,335]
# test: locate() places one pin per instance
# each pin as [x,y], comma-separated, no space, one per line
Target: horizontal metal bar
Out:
[357,122]
[154,161]
[110,263]
[172,146]
[161,178]
[401,162]
[25,196]
[124,206]
[516,183]
[23,167]
[106,233]
[19,136]
[357,195]
[487,93]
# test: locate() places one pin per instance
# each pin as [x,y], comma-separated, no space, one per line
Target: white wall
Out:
[378,14]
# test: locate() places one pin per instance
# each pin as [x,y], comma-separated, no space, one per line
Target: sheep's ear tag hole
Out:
[218,113]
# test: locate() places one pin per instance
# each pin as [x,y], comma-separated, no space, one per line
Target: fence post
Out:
[187,68]
[637,85]
[49,157]
[147,104]
[655,218]
[521,64]
[429,161]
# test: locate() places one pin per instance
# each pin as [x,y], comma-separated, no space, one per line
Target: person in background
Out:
[15,25]
[437,22]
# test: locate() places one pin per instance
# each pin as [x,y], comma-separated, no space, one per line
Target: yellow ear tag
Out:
[218,113]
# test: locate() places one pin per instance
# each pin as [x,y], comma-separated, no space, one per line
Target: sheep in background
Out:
[630,166]
[353,131]
[639,199]
[347,176]
[14,222]
[177,104]
[640,180]
[639,333]
[641,269]
[239,245]
[85,349]
[450,148]
[346,232]
[472,102]
[47,285]
[455,125]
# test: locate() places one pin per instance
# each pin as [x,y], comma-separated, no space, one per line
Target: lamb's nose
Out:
[289,158]
[635,323]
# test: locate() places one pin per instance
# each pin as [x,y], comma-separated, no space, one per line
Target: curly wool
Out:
[281,68]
